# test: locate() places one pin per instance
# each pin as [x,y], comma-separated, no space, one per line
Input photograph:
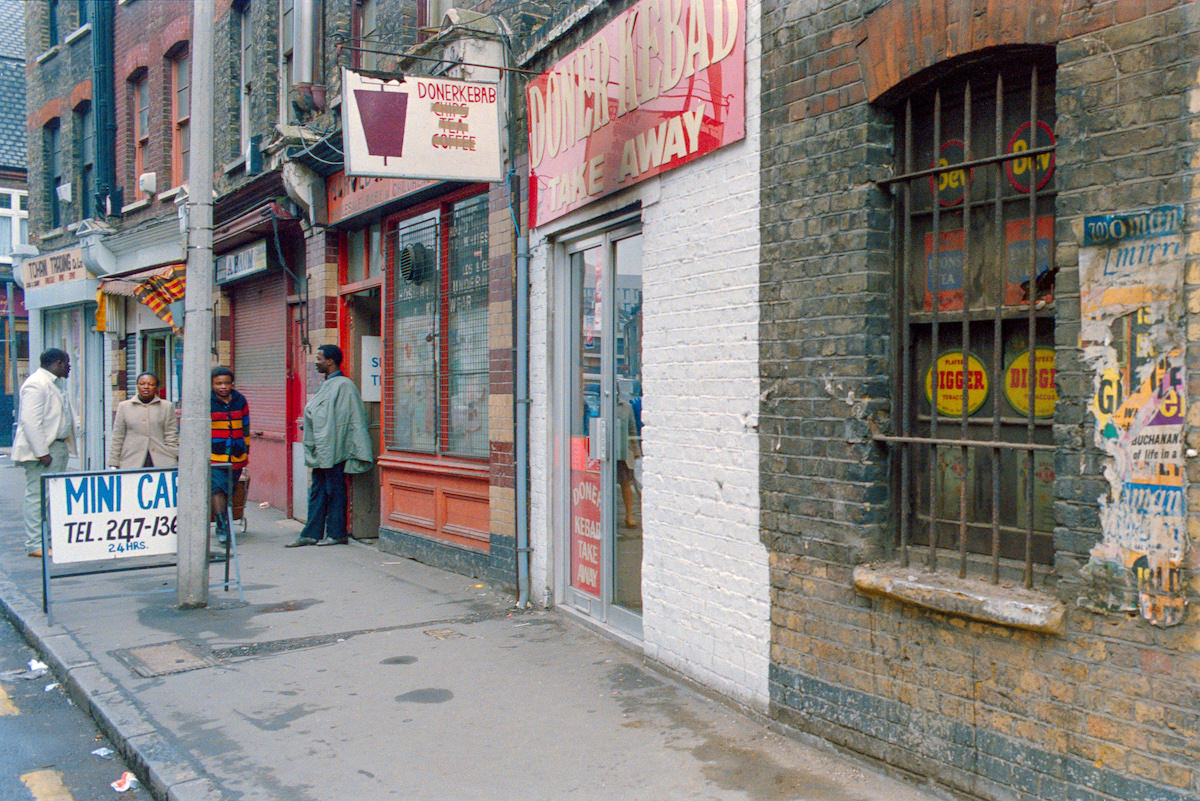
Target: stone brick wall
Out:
[58,78]
[1107,709]
[145,37]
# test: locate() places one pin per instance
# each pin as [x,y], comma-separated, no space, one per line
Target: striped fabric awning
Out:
[157,288]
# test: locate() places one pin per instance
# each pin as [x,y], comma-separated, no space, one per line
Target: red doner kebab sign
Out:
[662,84]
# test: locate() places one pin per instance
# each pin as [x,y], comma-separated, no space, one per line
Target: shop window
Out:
[438,377]
[429,16]
[244,47]
[974,341]
[12,223]
[139,91]
[52,21]
[85,135]
[181,112]
[366,22]
[52,154]
[287,12]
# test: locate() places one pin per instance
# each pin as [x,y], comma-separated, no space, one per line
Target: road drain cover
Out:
[165,658]
[443,634]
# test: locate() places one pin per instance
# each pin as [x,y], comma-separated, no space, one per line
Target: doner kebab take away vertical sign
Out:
[416,127]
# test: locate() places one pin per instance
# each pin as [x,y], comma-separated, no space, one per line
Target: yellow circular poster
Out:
[949,369]
[1016,383]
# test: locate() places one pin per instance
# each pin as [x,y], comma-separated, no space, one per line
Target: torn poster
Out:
[1132,336]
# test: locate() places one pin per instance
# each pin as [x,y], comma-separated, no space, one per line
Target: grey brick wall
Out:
[1107,709]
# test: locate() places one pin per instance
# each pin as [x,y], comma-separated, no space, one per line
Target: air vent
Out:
[414,263]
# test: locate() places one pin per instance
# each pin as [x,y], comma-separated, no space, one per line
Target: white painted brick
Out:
[705,584]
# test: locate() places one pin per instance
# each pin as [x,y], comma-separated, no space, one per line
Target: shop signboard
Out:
[241,263]
[108,515]
[347,196]
[658,87]
[370,380]
[61,267]
[419,127]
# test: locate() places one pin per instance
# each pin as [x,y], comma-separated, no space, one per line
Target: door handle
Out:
[597,438]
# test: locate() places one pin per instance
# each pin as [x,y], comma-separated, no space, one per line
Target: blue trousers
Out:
[327,503]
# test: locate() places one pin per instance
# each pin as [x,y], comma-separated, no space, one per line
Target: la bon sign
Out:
[659,86]
[417,127]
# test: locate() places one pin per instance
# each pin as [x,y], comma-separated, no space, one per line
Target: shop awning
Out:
[156,287]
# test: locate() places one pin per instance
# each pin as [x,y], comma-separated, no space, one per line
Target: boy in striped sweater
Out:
[230,415]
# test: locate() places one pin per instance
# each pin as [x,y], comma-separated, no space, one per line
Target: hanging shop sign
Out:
[661,85]
[241,263]
[54,268]
[418,127]
[950,380]
[1017,380]
[111,515]
[347,196]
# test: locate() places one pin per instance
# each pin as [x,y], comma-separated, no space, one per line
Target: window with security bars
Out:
[438,265]
[973,346]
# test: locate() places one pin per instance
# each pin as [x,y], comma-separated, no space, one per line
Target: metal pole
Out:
[194,434]
[12,341]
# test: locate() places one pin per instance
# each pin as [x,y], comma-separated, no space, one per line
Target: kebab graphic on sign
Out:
[417,127]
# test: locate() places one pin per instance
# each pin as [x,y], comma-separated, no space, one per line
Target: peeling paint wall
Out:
[1131,268]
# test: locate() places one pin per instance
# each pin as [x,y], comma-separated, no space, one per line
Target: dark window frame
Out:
[968,456]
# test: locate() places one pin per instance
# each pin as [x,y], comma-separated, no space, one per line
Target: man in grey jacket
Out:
[336,443]
[45,436]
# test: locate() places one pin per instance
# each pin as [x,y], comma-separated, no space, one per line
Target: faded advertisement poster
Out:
[1130,272]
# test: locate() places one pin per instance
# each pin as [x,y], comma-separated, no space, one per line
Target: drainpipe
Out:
[521,494]
[104,112]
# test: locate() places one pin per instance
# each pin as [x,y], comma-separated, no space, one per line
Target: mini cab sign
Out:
[111,515]
[418,127]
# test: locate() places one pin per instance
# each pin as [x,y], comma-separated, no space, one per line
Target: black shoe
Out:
[301,542]
[330,541]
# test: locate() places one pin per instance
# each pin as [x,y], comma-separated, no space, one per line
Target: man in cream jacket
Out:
[45,436]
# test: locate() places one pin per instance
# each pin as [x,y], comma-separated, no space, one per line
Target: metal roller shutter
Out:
[260,352]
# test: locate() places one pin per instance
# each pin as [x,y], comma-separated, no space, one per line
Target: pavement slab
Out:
[349,674]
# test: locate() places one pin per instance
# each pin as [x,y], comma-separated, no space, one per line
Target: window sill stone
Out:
[78,33]
[49,54]
[1015,607]
[135,205]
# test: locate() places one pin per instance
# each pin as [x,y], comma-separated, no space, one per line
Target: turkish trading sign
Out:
[661,85]
[111,515]
[417,127]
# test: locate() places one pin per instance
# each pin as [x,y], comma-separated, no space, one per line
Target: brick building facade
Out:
[1072,675]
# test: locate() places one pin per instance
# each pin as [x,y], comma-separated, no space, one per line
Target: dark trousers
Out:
[327,503]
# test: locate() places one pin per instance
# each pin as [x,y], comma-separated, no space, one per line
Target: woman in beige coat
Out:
[145,431]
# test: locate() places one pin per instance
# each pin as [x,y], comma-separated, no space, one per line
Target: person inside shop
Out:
[45,436]
[145,431]
[336,443]
[230,420]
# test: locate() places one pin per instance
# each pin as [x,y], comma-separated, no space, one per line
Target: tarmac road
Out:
[47,744]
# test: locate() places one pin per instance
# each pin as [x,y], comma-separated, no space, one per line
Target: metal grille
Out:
[974,315]
[415,323]
[466,379]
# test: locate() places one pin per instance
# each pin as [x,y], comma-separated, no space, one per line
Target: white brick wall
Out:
[705,583]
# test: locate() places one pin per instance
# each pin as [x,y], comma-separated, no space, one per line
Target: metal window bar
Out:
[995,312]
